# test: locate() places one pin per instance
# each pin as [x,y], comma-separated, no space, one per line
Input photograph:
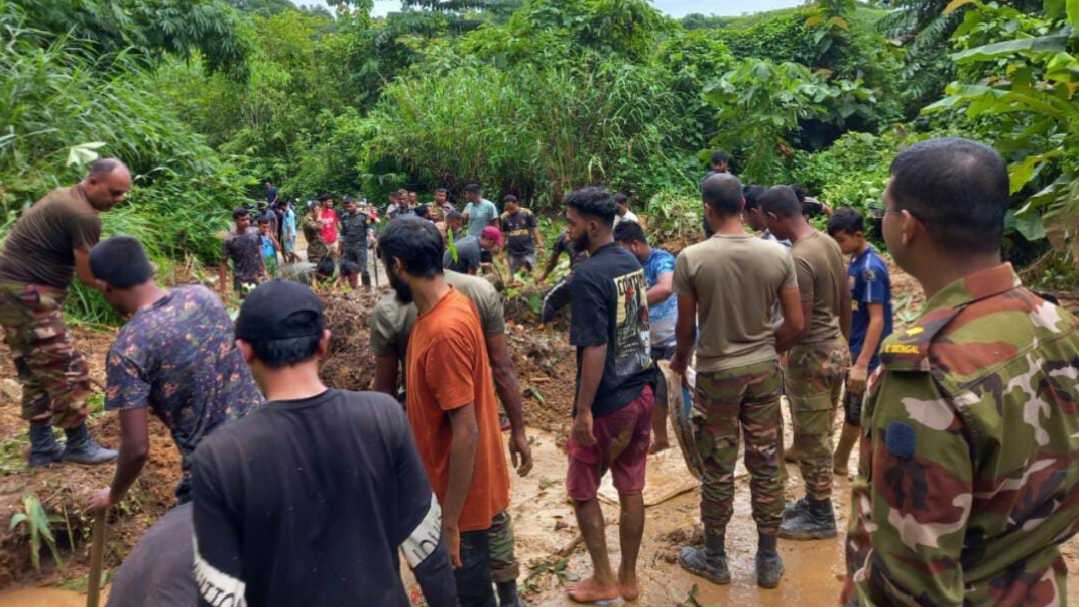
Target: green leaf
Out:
[813,21]
[1073,14]
[16,519]
[1021,173]
[1053,43]
[1030,226]
[955,5]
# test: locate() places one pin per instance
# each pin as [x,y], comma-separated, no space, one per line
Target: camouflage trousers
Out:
[814,375]
[55,379]
[503,561]
[747,399]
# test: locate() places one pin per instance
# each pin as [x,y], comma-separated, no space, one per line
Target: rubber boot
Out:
[769,565]
[815,523]
[709,562]
[847,439]
[44,449]
[81,449]
[507,595]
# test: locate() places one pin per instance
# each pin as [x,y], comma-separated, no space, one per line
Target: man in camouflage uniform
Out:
[316,249]
[967,483]
[50,243]
[817,362]
[730,284]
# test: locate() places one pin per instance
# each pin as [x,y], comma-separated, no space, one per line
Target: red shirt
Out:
[328,219]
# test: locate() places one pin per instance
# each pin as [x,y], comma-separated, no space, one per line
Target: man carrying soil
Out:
[973,409]
[662,310]
[48,245]
[175,356]
[355,230]
[613,409]
[391,325]
[730,284]
[818,360]
[243,247]
[306,500]
[451,406]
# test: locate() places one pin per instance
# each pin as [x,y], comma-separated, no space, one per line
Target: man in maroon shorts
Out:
[613,411]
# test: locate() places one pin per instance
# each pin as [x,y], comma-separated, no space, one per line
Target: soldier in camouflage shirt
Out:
[967,483]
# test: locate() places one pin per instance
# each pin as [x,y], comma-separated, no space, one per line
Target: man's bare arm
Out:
[795,315]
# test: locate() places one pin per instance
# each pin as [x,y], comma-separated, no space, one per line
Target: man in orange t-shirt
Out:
[451,403]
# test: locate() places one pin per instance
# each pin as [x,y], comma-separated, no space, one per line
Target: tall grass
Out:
[56,93]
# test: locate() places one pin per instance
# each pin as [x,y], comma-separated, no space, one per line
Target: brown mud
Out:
[548,544]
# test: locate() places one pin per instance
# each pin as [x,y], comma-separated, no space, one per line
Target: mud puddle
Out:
[45,597]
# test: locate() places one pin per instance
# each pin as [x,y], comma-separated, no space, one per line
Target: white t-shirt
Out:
[629,216]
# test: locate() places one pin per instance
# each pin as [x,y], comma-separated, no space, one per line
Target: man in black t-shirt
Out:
[612,423]
[522,235]
[307,500]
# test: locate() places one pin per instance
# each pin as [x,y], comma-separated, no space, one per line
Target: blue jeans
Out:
[474,586]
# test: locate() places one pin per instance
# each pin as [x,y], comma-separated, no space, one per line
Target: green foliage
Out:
[1022,90]
[762,104]
[36,525]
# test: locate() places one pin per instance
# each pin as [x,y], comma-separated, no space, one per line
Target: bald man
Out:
[48,246]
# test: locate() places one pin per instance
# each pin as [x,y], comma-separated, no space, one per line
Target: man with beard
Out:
[391,325]
[49,244]
[450,400]
[612,417]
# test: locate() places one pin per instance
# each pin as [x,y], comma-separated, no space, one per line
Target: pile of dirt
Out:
[350,365]
[62,489]
[546,369]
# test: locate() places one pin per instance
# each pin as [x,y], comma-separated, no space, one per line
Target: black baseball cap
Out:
[280,309]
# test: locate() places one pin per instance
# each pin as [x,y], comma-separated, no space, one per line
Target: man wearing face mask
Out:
[48,246]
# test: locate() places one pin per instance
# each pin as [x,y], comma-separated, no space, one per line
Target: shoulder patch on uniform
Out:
[900,439]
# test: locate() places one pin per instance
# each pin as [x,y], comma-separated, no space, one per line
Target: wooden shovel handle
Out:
[97,554]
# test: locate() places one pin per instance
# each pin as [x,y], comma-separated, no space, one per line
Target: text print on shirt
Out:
[215,586]
[424,539]
[633,346]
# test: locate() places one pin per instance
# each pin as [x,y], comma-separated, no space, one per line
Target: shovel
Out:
[97,554]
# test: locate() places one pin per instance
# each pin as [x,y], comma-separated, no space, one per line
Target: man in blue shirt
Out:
[662,311]
[871,319]
[479,212]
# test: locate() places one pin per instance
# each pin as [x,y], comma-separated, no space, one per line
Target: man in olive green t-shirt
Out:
[729,284]
[391,324]
[818,360]
[49,244]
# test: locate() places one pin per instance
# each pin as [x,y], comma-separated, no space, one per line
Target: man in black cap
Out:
[175,356]
[307,500]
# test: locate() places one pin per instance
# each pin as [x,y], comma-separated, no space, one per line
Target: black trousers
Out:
[474,586]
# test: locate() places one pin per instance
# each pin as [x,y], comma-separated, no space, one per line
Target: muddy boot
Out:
[44,449]
[709,562]
[507,595]
[815,523]
[847,440]
[769,565]
[81,449]
[797,508]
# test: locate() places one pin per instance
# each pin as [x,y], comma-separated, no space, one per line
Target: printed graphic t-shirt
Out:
[662,316]
[306,502]
[610,306]
[518,229]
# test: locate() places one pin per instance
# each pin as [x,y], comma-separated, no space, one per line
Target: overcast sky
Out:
[675,8]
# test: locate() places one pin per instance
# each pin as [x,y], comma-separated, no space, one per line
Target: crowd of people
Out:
[295,493]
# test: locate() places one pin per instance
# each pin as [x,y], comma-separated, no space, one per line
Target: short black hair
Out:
[443,190]
[723,192]
[474,188]
[799,192]
[277,353]
[264,220]
[121,262]
[621,198]
[509,198]
[416,243]
[422,211]
[239,212]
[454,216]
[781,201]
[846,219]
[630,231]
[958,188]
[323,197]
[719,156]
[593,202]
[752,194]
